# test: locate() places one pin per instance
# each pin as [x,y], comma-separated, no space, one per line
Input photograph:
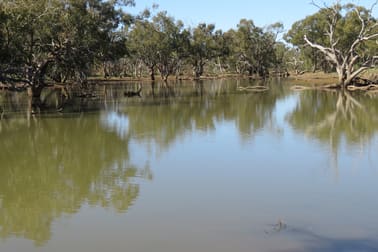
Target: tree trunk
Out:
[220,66]
[314,61]
[314,68]
[340,75]
[198,71]
[105,69]
[347,62]
[152,73]
[36,80]
[35,91]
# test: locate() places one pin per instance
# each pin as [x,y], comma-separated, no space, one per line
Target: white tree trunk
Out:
[345,62]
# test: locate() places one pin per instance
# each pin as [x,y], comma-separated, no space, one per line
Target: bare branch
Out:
[327,51]
[315,4]
[373,6]
[362,23]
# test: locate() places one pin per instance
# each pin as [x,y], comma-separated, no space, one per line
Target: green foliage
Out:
[160,42]
[172,44]
[163,43]
[65,40]
[204,47]
[142,43]
[314,27]
[336,27]
[252,49]
[58,39]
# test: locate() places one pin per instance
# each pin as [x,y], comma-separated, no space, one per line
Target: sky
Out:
[226,14]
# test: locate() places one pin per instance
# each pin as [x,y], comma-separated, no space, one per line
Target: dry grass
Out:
[320,80]
[314,79]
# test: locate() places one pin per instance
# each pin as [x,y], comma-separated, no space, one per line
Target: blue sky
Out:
[226,14]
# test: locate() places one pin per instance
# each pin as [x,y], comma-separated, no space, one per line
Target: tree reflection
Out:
[332,117]
[51,167]
[194,107]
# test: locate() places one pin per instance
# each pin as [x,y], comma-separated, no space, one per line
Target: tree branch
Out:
[326,50]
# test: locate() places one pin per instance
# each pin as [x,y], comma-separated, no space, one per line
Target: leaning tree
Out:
[349,30]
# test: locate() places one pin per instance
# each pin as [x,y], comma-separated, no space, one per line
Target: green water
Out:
[191,167]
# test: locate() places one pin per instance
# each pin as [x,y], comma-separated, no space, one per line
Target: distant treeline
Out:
[69,40]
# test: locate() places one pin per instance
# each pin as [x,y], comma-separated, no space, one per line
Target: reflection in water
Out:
[333,117]
[116,122]
[198,109]
[54,166]
[51,166]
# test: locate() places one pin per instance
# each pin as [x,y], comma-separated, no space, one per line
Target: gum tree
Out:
[252,48]
[349,29]
[172,44]
[143,41]
[203,47]
[57,40]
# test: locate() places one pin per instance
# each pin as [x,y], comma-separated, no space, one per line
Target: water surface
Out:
[191,167]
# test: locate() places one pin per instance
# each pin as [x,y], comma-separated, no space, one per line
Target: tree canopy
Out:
[342,35]
[57,41]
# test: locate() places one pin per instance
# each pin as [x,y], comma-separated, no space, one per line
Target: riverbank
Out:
[314,79]
[308,78]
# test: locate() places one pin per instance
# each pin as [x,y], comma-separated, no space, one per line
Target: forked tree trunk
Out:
[347,63]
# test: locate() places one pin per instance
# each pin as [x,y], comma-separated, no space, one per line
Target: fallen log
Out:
[253,88]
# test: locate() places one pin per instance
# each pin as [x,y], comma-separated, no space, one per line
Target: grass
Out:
[314,79]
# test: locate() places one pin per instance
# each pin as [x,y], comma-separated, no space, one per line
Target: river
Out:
[209,166]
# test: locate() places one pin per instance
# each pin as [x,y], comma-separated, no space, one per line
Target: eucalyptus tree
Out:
[252,48]
[348,30]
[268,53]
[282,57]
[203,47]
[244,41]
[56,39]
[313,26]
[223,48]
[142,42]
[172,44]
[277,51]
[159,42]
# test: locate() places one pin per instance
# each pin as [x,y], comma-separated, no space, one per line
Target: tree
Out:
[143,41]
[203,47]
[159,42]
[223,49]
[57,39]
[282,57]
[172,44]
[252,49]
[313,27]
[349,28]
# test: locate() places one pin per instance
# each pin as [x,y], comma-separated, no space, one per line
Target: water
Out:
[191,167]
